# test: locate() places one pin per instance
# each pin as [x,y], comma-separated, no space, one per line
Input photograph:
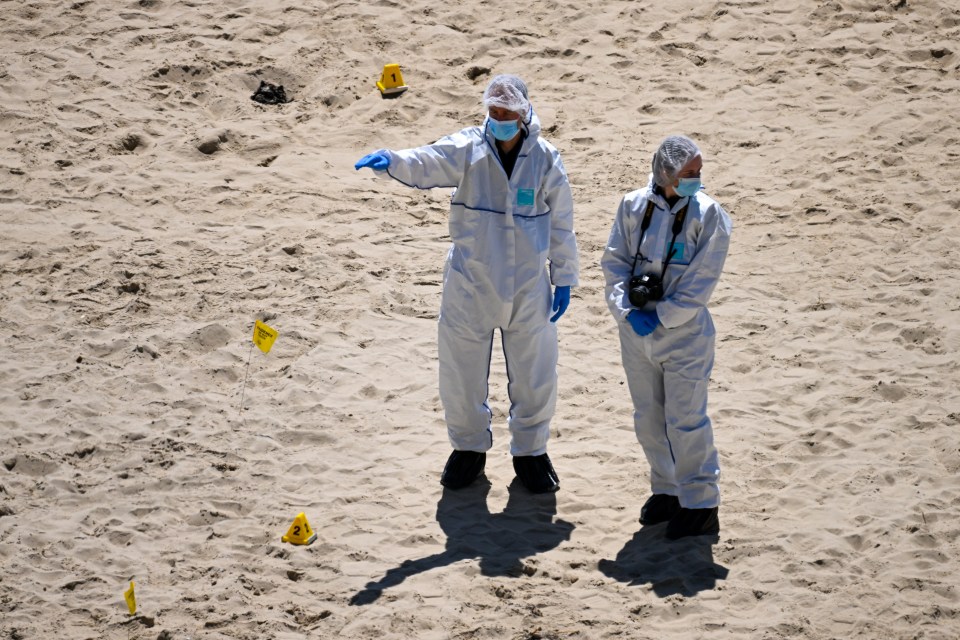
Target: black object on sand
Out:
[268,93]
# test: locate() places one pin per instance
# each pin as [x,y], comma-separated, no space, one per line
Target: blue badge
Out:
[678,248]
[525,197]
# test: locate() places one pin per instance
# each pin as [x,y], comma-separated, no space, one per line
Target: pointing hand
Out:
[376,160]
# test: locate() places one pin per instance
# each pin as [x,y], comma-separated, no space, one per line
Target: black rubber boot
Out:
[536,473]
[462,468]
[694,522]
[658,508]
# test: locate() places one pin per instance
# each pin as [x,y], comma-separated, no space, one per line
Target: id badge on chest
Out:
[678,253]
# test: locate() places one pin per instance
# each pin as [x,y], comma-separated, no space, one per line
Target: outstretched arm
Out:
[440,164]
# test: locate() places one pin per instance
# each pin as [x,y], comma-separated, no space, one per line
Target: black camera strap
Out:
[676,229]
[647,217]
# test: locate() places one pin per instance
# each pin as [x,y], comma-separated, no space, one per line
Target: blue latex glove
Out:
[561,300]
[375,160]
[643,322]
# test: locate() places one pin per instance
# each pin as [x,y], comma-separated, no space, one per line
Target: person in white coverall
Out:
[670,232]
[511,226]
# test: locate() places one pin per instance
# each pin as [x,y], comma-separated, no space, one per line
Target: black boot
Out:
[536,473]
[694,522]
[462,468]
[658,508]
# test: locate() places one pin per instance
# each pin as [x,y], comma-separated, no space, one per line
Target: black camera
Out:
[644,288]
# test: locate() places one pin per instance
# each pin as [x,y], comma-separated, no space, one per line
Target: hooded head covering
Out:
[673,154]
[507,92]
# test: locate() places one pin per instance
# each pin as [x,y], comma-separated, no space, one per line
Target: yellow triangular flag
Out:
[264,336]
[131,599]
[300,531]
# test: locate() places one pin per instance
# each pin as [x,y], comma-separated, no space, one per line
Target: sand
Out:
[152,211]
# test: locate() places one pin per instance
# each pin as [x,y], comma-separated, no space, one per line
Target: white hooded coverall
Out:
[504,233]
[668,371]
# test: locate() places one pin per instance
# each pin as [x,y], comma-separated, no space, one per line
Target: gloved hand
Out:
[376,160]
[561,300]
[643,322]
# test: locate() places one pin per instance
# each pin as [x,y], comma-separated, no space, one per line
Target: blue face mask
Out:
[687,187]
[503,130]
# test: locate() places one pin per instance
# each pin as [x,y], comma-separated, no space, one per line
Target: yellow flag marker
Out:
[131,599]
[264,336]
[300,531]
[391,82]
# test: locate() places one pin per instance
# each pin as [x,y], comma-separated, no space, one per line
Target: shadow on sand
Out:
[684,566]
[499,541]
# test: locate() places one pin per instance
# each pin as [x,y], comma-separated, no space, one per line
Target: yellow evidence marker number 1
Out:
[391,82]
[300,531]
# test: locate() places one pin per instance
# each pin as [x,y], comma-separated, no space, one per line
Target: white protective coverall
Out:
[496,275]
[668,371]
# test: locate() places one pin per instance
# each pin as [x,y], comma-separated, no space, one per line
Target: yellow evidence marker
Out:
[264,336]
[300,531]
[131,599]
[391,82]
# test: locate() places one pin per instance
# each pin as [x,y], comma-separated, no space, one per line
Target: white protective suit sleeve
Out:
[440,164]
[564,263]
[617,260]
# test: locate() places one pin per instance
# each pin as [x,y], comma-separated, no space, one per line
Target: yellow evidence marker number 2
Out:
[300,531]
[391,82]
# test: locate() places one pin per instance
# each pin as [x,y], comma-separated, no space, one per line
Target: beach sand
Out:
[152,211]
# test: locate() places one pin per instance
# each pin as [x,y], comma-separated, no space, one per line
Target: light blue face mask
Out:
[687,187]
[503,130]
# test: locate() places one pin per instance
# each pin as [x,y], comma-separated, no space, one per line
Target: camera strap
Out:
[676,229]
[647,217]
